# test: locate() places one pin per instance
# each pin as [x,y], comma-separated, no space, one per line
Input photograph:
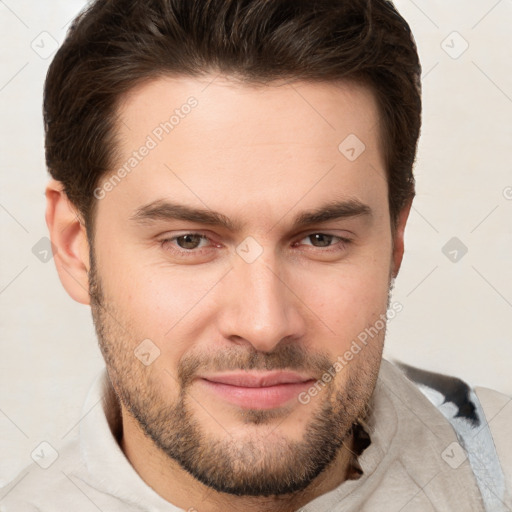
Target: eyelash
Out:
[341,244]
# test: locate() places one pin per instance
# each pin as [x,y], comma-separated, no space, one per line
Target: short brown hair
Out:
[115,45]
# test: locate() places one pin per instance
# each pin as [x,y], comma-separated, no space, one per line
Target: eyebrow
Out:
[165,210]
[335,210]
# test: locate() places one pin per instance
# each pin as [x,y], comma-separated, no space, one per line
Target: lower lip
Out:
[268,397]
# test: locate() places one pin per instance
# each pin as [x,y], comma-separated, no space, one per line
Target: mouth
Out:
[257,390]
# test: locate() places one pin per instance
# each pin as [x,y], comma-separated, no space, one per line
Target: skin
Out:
[261,157]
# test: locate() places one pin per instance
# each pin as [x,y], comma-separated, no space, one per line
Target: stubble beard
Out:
[250,465]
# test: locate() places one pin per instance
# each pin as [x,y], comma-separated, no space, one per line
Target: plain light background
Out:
[457,315]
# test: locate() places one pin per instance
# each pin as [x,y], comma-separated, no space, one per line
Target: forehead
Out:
[305,111]
[221,143]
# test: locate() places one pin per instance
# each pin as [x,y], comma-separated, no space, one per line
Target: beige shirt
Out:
[413,463]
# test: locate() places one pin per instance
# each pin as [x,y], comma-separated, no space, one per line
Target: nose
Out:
[260,306]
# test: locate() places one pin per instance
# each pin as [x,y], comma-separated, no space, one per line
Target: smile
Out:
[257,390]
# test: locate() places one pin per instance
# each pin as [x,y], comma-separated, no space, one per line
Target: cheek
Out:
[157,300]
[345,300]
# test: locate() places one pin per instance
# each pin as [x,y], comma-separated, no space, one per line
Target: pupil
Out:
[321,240]
[189,241]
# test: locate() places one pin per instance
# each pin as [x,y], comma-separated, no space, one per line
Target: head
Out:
[231,183]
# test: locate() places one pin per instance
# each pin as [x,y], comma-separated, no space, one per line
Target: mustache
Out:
[287,357]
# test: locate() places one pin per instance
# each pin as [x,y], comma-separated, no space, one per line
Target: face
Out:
[236,260]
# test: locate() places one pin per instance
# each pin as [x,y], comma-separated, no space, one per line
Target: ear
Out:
[68,235]
[398,237]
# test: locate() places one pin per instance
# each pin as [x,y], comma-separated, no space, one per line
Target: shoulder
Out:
[481,419]
[46,484]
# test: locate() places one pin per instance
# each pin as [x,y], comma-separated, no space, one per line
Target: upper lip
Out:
[254,379]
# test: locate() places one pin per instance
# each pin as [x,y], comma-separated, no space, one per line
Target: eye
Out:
[187,241]
[320,239]
[323,240]
[190,241]
[323,246]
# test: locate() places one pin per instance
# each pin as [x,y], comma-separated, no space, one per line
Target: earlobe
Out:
[398,239]
[68,235]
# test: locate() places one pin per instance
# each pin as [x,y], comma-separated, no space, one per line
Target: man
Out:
[231,184]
